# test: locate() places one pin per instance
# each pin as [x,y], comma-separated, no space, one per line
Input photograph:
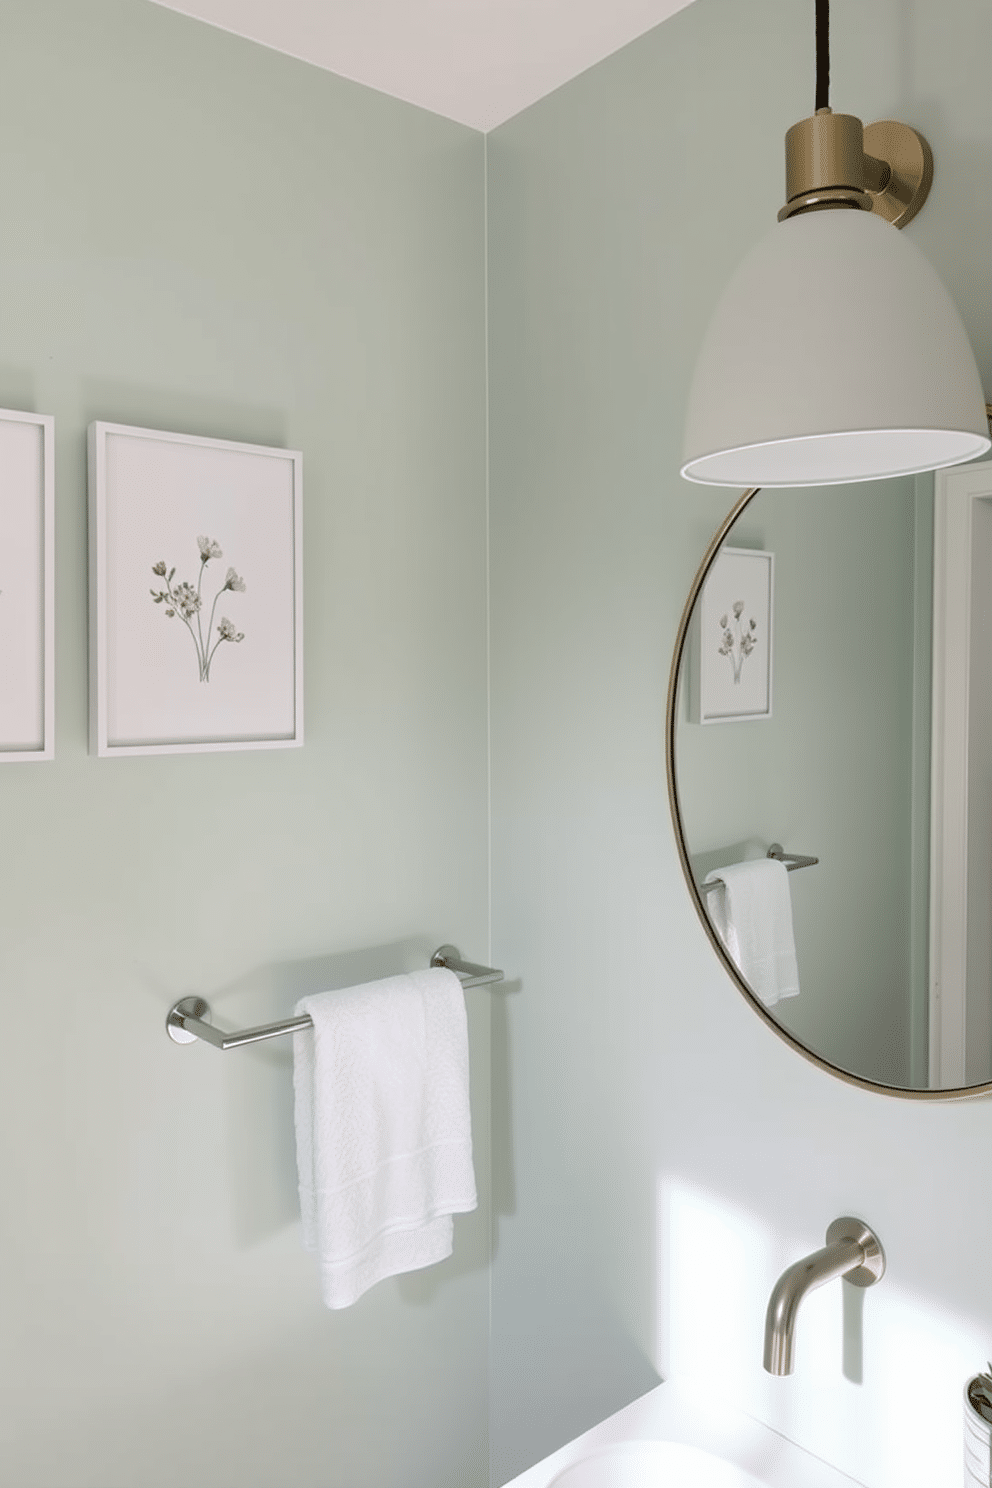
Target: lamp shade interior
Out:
[835,354]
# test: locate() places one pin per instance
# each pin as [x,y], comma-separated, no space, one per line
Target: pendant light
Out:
[835,353]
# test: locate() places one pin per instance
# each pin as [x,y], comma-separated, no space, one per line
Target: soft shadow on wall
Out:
[504,1190]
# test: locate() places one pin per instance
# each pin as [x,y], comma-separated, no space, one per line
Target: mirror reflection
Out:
[803,718]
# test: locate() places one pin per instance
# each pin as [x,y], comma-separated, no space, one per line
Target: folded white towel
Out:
[753,917]
[383,1132]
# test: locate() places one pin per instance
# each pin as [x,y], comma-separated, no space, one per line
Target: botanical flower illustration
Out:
[186,601]
[980,1394]
[738,640]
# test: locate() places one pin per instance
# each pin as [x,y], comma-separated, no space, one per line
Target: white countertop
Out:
[670,1413]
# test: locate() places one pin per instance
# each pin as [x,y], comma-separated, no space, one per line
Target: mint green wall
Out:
[670,1156]
[204,236]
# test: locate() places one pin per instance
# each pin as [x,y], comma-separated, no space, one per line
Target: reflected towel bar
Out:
[792,861]
[188,1018]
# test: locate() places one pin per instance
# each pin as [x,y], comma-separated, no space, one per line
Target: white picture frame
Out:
[196,593]
[734,639]
[27,586]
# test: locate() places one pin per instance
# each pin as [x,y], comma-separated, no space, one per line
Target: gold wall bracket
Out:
[910,162]
[833,160]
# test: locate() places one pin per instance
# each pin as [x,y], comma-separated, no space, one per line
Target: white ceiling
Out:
[476,61]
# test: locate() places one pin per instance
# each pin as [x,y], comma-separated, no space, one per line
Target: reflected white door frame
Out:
[956,493]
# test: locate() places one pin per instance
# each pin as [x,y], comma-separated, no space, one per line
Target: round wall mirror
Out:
[801,723]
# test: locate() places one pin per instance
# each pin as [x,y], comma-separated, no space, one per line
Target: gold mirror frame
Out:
[954,1092]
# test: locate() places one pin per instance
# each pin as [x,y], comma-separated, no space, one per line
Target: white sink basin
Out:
[662,1464]
[674,1438]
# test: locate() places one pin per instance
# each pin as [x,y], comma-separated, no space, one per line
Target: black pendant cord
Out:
[822,53]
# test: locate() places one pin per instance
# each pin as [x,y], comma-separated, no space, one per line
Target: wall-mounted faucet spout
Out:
[852,1251]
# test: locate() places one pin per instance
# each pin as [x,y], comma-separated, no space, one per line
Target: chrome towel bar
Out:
[189,1018]
[792,861]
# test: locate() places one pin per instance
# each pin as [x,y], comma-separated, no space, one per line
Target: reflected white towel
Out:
[753,917]
[383,1132]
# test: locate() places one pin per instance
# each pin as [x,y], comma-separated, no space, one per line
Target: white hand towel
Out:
[753,917]
[383,1132]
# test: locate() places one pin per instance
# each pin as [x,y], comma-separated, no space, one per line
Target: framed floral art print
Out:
[733,639]
[196,603]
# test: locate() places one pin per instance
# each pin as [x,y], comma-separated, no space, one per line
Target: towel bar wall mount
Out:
[189,1018]
[792,861]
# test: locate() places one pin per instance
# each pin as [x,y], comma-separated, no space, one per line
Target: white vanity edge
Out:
[670,1412]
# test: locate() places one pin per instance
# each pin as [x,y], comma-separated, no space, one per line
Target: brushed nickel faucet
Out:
[852,1251]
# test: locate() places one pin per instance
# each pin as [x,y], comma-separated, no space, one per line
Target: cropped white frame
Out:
[27,584]
[152,496]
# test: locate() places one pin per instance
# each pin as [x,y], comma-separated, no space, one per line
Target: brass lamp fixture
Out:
[835,353]
[832,160]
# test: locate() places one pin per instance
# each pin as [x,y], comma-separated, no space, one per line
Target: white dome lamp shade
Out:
[835,353]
